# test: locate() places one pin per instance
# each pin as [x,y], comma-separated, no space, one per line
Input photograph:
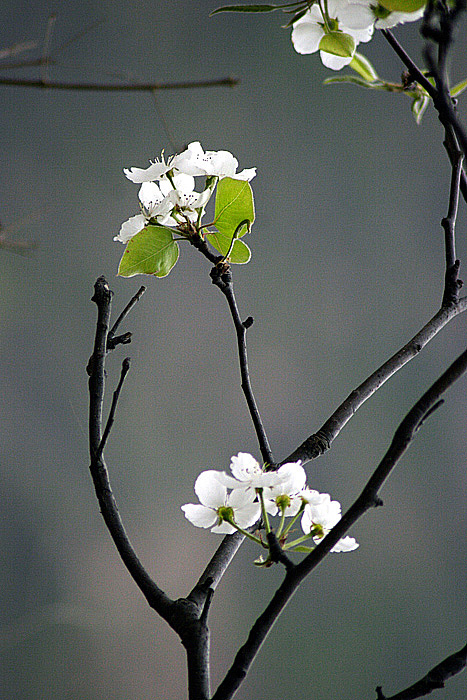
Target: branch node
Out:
[122,339]
[207,603]
[248,322]
[276,552]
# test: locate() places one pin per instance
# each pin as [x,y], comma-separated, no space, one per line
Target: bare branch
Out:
[156,598]
[434,679]
[452,283]
[111,340]
[316,444]
[441,101]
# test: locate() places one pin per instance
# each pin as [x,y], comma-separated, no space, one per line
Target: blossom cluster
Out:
[336,27]
[167,194]
[236,502]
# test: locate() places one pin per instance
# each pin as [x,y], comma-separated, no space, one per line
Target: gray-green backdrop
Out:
[347,265]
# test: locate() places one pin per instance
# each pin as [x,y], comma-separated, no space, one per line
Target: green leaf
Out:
[338,43]
[234,204]
[459,88]
[245,8]
[355,80]
[402,5]
[419,106]
[240,253]
[151,251]
[363,67]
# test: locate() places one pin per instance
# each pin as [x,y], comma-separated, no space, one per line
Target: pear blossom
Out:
[320,516]
[385,19]
[156,170]
[154,205]
[285,496]
[159,201]
[215,505]
[248,474]
[345,18]
[195,161]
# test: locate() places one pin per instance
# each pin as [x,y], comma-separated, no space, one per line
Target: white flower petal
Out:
[130,228]
[199,515]
[355,16]
[292,476]
[210,491]
[345,544]
[241,497]
[334,62]
[306,37]
[248,515]
[154,172]
[246,174]
[243,466]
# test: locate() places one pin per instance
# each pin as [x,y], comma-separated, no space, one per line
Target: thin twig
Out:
[111,418]
[441,102]
[113,87]
[222,277]
[134,300]
[369,498]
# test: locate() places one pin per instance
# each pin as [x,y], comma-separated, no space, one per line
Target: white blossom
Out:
[385,19]
[286,495]
[195,161]
[350,18]
[156,170]
[248,474]
[159,200]
[154,205]
[320,516]
[215,503]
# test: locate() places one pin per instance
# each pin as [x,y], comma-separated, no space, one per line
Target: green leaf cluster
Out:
[234,205]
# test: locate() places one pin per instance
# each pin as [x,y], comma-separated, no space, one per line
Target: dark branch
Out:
[185,616]
[434,679]
[441,100]
[316,444]
[452,283]
[156,598]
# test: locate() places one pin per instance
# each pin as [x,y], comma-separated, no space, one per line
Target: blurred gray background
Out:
[347,265]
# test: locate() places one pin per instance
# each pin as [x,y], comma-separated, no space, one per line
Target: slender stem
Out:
[222,278]
[415,71]
[441,101]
